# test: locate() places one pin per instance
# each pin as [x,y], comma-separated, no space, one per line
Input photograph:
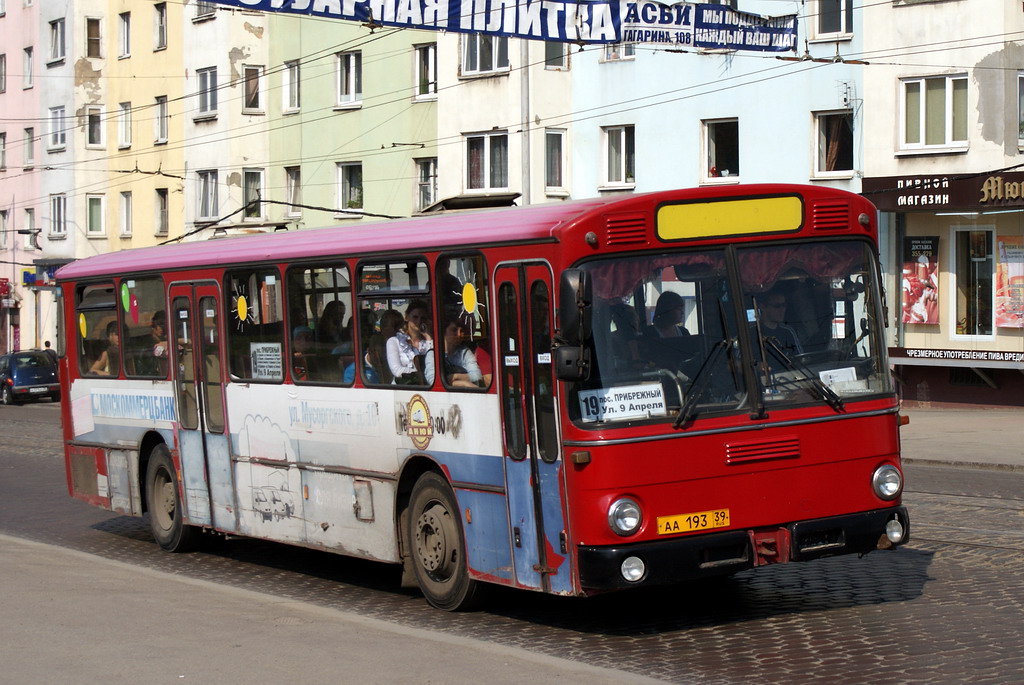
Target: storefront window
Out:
[974,272]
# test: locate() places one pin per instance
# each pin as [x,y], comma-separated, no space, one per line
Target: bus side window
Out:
[462,339]
[396,332]
[97,315]
[255,325]
[144,331]
[320,321]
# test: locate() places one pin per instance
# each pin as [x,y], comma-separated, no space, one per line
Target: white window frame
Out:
[954,288]
[124,125]
[1020,108]
[58,133]
[950,113]
[291,87]
[3,150]
[350,196]
[619,166]
[29,146]
[426,182]
[349,78]
[559,135]
[475,48]
[710,172]
[58,215]
[846,16]
[425,71]
[4,225]
[618,52]
[556,55]
[125,204]
[124,35]
[490,181]
[207,92]
[94,42]
[163,211]
[255,213]
[206,194]
[94,116]
[58,42]
[205,10]
[28,224]
[93,230]
[252,87]
[161,120]
[3,72]
[821,138]
[160,26]
[28,68]
[293,190]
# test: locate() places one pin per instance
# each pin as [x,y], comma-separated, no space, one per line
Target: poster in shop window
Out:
[1010,282]
[921,279]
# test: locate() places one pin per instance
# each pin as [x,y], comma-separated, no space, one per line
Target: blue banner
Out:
[571,21]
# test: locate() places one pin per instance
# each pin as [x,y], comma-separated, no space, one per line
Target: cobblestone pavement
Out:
[945,608]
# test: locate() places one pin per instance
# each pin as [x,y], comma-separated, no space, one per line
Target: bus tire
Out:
[164,504]
[438,546]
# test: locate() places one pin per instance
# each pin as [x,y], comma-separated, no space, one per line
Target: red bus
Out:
[570,398]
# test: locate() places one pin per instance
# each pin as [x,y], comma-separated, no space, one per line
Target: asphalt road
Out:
[90,598]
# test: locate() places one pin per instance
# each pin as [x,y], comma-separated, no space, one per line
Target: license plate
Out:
[37,390]
[698,520]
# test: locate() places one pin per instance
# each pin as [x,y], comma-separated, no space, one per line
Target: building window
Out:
[835,143]
[28,66]
[556,55]
[161,121]
[291,90]
[206,200]
[124,125]
[93,40]
[95,216]
[29,226]
[251,97]
[160,26]
[484,54]
[350,78]
[293,189]
[620,155]
[350,185]
[1020,106]
[4,230]
[426,182]
[30,148]
[426,70]
[619,51]
[94,126]
[722,148]
[57,42]
[205,9]
[163,208]
[124,34]
[207,90]
[252,193]
[3,72]
[975,266]
[834,17]
[58,129]
[935,112]
[58,215]
[487,161]
[554,158]
[3,150]
[126,214]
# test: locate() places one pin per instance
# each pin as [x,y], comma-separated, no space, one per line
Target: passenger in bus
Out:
[772,315]
[376,357]
[409,349]
[668,316]
[460,366]
[331,332]
[625,349]
[482,351]
[303,357]
[109,361]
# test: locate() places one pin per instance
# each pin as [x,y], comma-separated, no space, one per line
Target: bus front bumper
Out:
[715,554]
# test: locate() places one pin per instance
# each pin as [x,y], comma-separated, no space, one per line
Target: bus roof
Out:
[516,224]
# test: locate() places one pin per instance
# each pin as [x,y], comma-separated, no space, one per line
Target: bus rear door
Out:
[533,463]
[199,392]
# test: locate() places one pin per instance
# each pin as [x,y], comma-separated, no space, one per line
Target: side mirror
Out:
[572,363]
[574,310]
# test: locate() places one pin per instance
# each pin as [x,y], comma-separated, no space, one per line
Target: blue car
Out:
[28,376]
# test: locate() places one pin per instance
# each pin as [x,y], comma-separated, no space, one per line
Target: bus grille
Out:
[746,452]
[830,216]
[626,229]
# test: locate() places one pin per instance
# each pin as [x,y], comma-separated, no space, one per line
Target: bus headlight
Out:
[624,516]
[887,482]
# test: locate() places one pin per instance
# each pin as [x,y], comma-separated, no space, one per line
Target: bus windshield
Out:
[748,328]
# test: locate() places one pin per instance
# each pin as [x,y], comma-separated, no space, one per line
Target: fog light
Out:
[633,569]
[894,531]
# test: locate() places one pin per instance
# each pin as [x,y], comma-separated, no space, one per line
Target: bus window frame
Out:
[231,322]
[290,325]
[483,292]
[84,362]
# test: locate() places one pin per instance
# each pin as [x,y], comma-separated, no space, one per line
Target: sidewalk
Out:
[71,617]
[987,438]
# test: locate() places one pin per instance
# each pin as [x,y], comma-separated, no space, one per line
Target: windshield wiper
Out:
[804,376]
[701,382]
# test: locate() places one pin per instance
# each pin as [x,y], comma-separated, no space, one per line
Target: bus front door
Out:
[194,330]
[533,461]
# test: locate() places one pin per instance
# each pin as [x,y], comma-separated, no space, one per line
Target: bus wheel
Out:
[164,504]
[438,547]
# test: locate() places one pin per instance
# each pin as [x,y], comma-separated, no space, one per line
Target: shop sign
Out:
[974,192]
[920,298]
[941,357]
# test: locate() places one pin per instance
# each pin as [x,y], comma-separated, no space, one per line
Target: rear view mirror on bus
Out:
[572,363]
[574,306]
